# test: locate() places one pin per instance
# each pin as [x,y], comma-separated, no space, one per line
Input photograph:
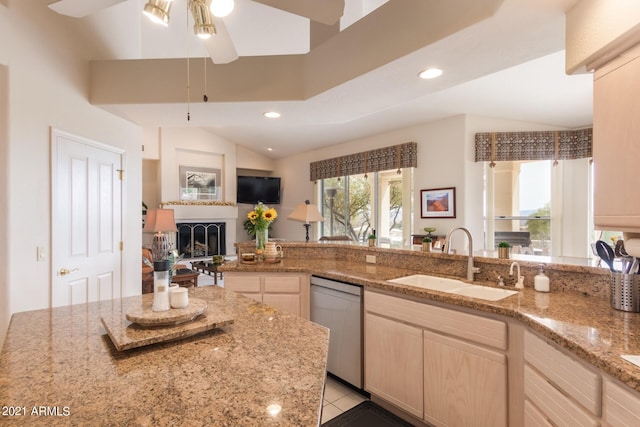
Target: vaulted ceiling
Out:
[501,58]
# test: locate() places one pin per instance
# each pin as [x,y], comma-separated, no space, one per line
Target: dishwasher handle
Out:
[335,285]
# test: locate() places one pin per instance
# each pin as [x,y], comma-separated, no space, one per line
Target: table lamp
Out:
[161,222]
[307,213]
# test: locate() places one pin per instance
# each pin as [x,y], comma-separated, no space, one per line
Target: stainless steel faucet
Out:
[515,264]
[471,269]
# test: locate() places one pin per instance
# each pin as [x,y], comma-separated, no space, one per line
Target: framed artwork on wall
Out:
[438,203]
[198,183]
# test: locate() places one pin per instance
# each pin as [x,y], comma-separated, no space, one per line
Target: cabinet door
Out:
[287,292]
[464,384]
[556,406]
[621,405]
[393,362]
[616,150]
[247,284]
[283,302]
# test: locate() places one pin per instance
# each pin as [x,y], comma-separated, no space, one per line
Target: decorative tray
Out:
[145,316]
[272,261]
[126,335]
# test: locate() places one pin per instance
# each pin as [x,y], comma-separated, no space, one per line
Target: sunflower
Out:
[270,214]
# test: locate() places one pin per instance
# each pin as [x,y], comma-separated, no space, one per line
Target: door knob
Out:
[65,271]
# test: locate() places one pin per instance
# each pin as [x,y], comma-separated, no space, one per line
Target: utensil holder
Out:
[625,292]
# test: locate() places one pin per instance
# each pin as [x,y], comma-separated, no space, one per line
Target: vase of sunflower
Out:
[261,218]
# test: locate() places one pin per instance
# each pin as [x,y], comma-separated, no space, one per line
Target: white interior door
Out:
[86,220]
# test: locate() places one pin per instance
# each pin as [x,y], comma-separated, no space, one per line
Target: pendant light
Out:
[158,11]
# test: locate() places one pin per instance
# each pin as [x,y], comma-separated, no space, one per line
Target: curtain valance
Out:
[395,157]
[542,145]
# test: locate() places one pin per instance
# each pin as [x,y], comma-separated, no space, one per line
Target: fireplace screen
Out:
[201,240]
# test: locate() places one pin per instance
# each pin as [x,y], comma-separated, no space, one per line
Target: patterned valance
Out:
[382,159]
[543,145]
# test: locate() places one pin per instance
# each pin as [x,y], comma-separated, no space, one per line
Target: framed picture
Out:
[200,183]
[438,203]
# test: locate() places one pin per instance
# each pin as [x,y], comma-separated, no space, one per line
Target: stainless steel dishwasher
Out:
[338,306]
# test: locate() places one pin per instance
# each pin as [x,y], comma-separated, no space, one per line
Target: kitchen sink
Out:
[484,292]
[433,283]
[454,286]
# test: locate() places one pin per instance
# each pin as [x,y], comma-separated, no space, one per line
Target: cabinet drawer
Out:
[557,407]
[442,320]
[569,375]
[242,283]
[533,417]
[282,284]
[621,405]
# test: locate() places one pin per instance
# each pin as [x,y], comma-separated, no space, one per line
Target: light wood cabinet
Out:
[563,390]
[442,365]
[393,362]
[288,292]
[464,384]
[621,405]
[616,149]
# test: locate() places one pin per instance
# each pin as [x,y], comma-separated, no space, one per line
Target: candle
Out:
[179,297]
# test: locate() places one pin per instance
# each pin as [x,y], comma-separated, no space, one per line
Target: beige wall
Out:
[47,88]
[446,150]
[4,184]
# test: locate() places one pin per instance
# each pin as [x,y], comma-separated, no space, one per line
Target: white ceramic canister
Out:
[179,297]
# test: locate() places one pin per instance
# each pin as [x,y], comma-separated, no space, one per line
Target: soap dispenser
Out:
[541,281]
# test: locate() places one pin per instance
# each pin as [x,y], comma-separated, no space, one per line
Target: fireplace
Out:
[201,240]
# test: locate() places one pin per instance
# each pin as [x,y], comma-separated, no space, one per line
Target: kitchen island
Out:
[59,367]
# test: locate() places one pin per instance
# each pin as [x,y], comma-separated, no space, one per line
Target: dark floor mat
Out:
[366,414]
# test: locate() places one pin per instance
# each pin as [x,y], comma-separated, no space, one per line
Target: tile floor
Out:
[338,398]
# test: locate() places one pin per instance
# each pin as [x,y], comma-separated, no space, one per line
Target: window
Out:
[522,216]
[356,205]
[539,208]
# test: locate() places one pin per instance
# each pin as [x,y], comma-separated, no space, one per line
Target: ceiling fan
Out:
[220,46]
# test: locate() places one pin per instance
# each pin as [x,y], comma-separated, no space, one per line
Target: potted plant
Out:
[372,240]
[426,244]
[503,250]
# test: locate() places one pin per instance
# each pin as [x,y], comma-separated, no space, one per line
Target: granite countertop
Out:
[585,325]
[62,360]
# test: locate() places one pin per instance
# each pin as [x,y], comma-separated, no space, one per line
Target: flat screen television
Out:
[254,189]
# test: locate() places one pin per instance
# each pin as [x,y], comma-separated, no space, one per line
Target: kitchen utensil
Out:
[620,253]
[605,253]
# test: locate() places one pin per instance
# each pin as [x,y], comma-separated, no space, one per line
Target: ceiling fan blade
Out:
[220,46]
[81,8]
[324,11]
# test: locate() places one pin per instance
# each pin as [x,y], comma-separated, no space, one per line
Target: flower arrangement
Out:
[261,218]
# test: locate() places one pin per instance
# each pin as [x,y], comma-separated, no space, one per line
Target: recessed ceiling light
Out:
[272,114]
[269,149]
[430,73]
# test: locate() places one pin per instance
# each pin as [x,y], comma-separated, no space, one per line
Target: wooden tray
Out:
[272,261]
[126,335]
[145,316]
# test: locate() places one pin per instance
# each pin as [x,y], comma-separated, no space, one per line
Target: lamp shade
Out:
[306,212]
[160,220]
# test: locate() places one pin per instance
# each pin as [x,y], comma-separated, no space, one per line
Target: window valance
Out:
[394,157]
[543,145]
